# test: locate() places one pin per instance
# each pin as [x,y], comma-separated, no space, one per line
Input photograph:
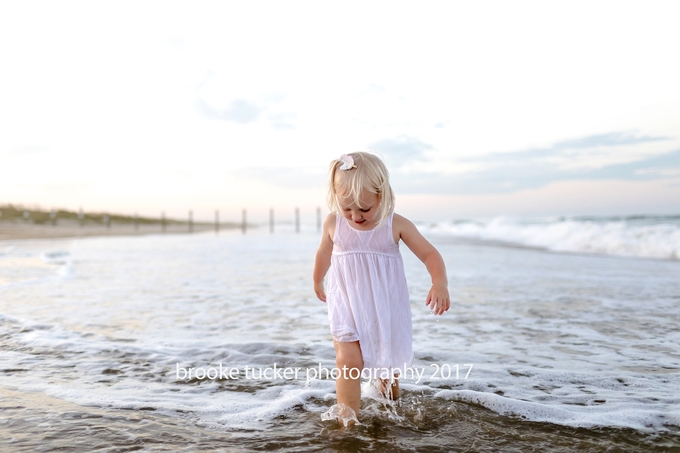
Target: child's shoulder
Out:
[330,218]
[402,227]
[399,221]
[329,224]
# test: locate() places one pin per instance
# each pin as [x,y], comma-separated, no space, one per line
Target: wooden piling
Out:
[271,220]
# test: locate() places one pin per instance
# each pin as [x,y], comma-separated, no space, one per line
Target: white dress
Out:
[367,295]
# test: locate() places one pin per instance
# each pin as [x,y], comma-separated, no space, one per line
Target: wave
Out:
[633,236]
[636,415]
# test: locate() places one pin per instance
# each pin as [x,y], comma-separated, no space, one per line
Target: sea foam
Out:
[644,237]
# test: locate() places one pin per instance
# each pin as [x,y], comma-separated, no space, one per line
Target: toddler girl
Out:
[367,296]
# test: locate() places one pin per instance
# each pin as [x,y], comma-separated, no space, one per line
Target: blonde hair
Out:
[370,175]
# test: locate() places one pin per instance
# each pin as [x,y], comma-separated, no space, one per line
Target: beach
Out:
[73,229]
[191,342]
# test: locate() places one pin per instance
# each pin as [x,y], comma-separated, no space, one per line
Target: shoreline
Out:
[72,229]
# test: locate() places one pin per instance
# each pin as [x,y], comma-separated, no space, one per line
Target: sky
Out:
[479,109]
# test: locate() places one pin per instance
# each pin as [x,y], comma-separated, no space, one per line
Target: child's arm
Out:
[323,256]
[438,297]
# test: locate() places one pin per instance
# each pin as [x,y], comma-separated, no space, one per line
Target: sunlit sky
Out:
[478,108]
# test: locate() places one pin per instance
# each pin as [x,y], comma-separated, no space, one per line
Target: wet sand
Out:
[66,228]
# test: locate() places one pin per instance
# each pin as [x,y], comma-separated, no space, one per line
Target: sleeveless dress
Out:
[367,295]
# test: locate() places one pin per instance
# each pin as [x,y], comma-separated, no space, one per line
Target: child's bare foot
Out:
[389,391]
[344,414]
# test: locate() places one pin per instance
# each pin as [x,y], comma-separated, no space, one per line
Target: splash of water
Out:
[342,413]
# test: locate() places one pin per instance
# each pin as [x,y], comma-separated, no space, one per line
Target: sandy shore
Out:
[65,228]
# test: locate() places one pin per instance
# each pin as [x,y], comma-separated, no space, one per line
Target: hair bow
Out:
[347,162]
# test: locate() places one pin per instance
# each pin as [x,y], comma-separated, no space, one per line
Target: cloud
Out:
[30,151]
[524,173]
[402,149]
[292,178]
[175,42]
[563,147]
[612,139]
[525,169]
[373,89]
[240,111]
[282,120]
[644,169]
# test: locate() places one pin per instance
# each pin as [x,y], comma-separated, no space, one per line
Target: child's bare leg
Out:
[392,393]
[348,390]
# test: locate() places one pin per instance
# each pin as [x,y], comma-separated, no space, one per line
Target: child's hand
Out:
[438,299]
[320,293]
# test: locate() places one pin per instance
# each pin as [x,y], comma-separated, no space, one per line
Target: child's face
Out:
[363,215]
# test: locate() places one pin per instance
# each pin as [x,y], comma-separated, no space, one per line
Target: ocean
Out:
[563,335]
